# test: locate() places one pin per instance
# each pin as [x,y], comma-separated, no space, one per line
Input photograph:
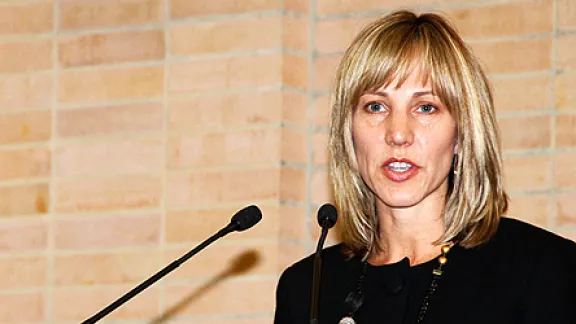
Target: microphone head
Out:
[246,218]
[327,215]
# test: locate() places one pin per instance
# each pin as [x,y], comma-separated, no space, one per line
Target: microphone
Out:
[327,216]
[241,221]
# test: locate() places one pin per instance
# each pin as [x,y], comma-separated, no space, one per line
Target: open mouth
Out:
[399,166]
[399,170]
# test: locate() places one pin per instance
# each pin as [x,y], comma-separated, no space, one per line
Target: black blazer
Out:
[523,275]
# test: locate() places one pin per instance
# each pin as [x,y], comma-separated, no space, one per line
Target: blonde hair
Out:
[389,49]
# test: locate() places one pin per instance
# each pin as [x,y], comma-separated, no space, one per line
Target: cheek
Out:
[366,142]
[364,145]
[441,147]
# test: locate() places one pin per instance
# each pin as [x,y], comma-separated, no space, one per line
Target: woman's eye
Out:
[375,107]
[427,108]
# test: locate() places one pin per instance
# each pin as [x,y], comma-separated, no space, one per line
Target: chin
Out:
[400,201]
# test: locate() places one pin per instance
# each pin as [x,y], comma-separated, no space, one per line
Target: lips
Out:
[399,170]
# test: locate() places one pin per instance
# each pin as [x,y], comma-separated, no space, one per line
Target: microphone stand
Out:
[160,274]
[317,274]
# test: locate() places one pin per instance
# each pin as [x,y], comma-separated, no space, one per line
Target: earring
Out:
[455,164]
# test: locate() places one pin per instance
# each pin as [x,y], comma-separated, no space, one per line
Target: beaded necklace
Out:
[356,298]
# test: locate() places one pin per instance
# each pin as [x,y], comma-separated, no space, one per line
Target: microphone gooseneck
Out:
[327,217]
[241,221]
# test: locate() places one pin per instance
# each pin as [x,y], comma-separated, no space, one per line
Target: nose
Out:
[399,130]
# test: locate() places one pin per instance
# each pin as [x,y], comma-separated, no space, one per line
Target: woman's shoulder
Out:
[522,245]
[524,236]
[540,265]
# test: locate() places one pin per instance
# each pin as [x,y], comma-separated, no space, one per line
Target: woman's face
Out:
[405,141]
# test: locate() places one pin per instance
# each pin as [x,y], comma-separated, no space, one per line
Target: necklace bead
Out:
[347,320]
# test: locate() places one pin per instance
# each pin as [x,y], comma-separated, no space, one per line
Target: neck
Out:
[409,232]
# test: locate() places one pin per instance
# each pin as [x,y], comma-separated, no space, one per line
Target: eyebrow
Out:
[414,95]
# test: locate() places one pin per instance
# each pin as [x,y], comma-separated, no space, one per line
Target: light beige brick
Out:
[504,20]
[19,235]
[22,272]
[110,157]
[108,232]
[109,120]
[108,193]
[249,34]
[294,108]
[26,56]
[332,7]
[293,146]
[24,163]
[110,84]
[566,210]
[26,18]
[76,14]
[215,149]
[565,170]
[565,54]
[566,130]
[24,200]
[300,6]
[107,48]
[322,110]
[293,223]
[335,35]
[293,184]
[566,13]
[24,91]
[225,110]
[527,173]
[325,70]
[226,295]
[295,71]
[515,137]
[321,188]
[242,72]
[33,126]
[296,33]
[186,8]
[564,90]
[189,189]
[24,307]
[320,148]
[533,209]
[522,93]
[515,56]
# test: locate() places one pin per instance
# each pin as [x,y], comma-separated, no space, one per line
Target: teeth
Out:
[399,166]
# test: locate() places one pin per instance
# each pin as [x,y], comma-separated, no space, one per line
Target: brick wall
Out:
[131,130]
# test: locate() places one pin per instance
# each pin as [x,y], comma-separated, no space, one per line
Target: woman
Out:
[417,176]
